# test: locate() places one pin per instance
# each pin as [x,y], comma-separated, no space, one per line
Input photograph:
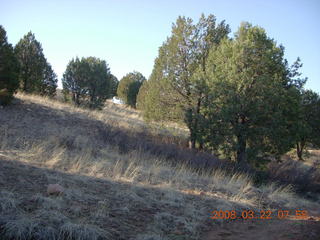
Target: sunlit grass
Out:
[109,193]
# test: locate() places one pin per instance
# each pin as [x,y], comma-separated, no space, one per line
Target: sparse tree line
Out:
[24,66]
[87,81]
[238,96]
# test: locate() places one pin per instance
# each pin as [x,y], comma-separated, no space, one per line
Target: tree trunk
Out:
[25,82]
[241,151]
[75,98]
[193,143]
[196,122]
[300,148]
[189,121]
[193,138]
[92,98]
[242,141]
[201,145]
[25,85]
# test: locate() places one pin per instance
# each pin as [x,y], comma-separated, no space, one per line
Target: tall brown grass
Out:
[121,180]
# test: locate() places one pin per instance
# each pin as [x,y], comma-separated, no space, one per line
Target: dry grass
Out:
[112,191]
[304,176]
[115,114]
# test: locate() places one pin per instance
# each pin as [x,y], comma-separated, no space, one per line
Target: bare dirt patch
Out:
[266,230]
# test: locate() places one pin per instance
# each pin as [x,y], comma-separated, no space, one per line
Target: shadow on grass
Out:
[94,208]
[28,122]
[33,122]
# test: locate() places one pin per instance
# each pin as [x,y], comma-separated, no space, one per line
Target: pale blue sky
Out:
[127,34]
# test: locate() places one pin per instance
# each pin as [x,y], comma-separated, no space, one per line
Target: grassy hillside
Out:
[118,181]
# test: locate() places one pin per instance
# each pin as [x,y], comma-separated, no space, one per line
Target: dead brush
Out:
[303,178]
[121,181]
[19,227]
[72,231]
[8,202]
[48,203]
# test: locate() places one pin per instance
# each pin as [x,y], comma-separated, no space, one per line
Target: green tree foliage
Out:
[88,80]
[36,74]
[49,82]
[252,97]
[129,87]
[8,69]
[114,86]
[156,97]
[176,86]
[308,121]
[238,96]
[143,91]
[73,80]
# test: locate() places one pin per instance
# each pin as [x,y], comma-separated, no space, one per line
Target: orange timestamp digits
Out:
[224,214]
[246,214]
[301,214]
[263,214]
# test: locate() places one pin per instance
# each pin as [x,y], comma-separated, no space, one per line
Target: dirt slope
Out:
[118,192]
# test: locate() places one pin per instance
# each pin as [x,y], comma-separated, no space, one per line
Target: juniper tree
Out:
[208,35]
[129,86]
[36,74]
[8,69]
[308,124]
[73,81]
[176,87]
[114,86]
[88,80]
[251,96]
[49,82]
